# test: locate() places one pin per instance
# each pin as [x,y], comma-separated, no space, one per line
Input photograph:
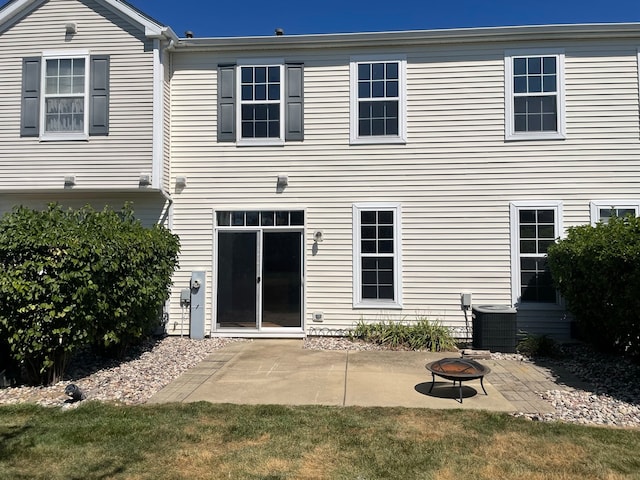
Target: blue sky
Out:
[212,18]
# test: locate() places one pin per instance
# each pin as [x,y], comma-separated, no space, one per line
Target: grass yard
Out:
[206,441]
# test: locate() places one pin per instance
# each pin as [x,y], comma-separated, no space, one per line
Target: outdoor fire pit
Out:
[458,370]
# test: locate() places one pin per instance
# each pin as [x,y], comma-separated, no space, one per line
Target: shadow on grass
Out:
[9,433]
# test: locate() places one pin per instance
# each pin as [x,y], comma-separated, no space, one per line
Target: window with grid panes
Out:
[263,218]
[377,279]
[377,100]
[534,87]
[535,91]
[537,231]
[261,102]
[606,213]
[64,95]
[377,250]
[603,210]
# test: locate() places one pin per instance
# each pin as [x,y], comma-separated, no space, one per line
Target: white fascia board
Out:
[15,8]
[419,37]
[151,29]
[14,11]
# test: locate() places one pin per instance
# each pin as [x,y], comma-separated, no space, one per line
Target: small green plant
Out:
[419,335]
[432,336]
[538,346]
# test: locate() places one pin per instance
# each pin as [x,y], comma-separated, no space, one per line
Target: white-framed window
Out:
[378,99]
[603,210]
[534,94]
[65,95]
[261,102]
[534,227]
[65,100]
[377,256]
[261,93]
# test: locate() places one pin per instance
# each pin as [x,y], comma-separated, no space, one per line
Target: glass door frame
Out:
[257,252]
[259,330]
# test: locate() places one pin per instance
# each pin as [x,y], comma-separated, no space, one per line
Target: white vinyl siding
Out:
[455,177]
[108,162]
[149,209]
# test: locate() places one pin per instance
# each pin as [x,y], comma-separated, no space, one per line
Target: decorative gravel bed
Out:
[131,381]
[614,394]
[614,398]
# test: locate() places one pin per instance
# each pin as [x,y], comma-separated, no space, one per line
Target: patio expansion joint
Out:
[346,373]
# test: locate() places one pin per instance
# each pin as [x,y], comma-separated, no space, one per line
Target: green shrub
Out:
[597,270]
[420,335]
[73,278]
[133,268]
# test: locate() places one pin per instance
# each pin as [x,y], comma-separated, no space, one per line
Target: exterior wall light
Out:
[181,182]
[145,180]
[69,181]
[283,181]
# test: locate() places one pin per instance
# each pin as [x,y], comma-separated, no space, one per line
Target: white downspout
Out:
[157,171]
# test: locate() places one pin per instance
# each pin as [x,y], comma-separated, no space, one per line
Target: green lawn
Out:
[205,441]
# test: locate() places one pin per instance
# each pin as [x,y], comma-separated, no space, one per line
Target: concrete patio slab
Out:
[282,372]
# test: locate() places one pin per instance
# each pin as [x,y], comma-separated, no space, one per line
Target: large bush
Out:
[70,278]
[597,270]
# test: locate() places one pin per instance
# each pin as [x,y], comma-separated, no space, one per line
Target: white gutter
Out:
[418,37]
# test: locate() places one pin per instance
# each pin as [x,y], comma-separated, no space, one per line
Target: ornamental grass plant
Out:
[421,334]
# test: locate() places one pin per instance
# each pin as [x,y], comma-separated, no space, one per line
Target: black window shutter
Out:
[30,111]
[226,103]
[294,107]
[99,95]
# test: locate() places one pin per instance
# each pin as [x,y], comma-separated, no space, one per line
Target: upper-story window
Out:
[260,102]
[534,100]
[65,84]
[65,95]
[378,91]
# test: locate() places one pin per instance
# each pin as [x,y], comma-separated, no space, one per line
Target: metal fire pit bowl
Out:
[458,370]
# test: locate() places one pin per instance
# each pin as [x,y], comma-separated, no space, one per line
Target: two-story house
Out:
[319,180]
[326,179]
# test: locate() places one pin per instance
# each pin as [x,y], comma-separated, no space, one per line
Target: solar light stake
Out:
[74,392]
